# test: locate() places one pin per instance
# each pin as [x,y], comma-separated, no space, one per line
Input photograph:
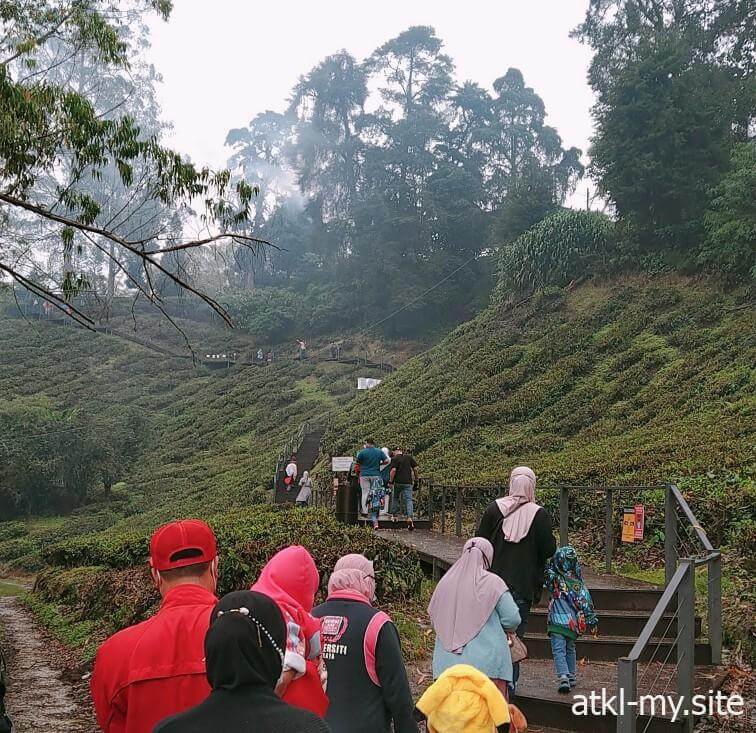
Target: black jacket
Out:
[520,564]
[357,703]
[230,712]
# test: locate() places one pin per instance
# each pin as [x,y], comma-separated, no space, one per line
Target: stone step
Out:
[616,622]
[543,706]
[611,648]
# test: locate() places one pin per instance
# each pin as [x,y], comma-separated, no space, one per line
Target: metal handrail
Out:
[682,587]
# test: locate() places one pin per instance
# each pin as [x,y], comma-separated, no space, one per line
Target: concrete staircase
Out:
[307,455]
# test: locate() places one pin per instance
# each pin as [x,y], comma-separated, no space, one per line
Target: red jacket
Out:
[154,669]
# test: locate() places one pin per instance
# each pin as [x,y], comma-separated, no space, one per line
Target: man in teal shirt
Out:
[369,459]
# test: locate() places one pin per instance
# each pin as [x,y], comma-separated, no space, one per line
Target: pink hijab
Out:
[518,507]
[353,575]
[466,596]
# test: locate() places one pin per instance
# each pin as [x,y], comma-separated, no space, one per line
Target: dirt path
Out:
[40,699]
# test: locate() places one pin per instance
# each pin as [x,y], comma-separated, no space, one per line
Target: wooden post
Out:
[564,515]
[443,509]
[458,512]
[609,539]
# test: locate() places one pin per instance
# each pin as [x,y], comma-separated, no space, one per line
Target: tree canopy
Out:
[64,136]
[386,175]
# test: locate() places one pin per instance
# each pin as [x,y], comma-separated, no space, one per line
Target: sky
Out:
[224,61]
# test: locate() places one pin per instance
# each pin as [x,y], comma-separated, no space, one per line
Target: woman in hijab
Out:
[305,490]
[471,611]
[244,650]
[291,579]
[523,541]
[367,680]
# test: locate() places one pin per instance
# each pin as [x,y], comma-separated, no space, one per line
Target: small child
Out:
[570,613]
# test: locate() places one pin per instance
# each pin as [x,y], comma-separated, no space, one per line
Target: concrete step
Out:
[615,622]
[543,706]
[611,648]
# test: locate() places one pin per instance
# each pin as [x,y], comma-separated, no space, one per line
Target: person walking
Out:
[571,613]
[403,475]
[367,679]
[260,356]
[305,490]
[244,649]
[291,472]
[472,613]
[291,579]
[369,459]
[523,541]
[147,672]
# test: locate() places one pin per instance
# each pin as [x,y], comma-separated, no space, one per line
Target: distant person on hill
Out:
[302,347]
[472,613]
[260,355]
[571,613]
[291,579]
[244,649]
[369,459]
[367,680]
[523,541]
[305,490]
[269,357]
[403,475]
[147,672]
[291,472]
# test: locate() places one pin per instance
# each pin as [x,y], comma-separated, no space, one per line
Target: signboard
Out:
[367,383]
[628,525]
[639,522]
[341,463]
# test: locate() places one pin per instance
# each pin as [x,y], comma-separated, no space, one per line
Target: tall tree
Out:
[675,91]
[43,120]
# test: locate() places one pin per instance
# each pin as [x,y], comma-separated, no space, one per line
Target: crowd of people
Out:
[270,659]
[386,478]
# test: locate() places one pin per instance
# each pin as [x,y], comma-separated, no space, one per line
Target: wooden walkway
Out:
[441,551]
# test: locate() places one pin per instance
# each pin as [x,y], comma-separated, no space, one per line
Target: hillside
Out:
[630,380]
[214,435]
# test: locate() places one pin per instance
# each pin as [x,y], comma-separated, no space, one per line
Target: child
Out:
[464,700]
[570,613]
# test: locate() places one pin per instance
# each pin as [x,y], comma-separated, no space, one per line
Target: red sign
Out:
[639,522]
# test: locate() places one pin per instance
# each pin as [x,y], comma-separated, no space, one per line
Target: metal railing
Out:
[458,509]
[684,537]
[679,594]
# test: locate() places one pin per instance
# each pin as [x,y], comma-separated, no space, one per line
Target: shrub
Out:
[561,248]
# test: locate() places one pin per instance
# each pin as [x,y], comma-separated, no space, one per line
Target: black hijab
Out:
[244,650]
[245,643]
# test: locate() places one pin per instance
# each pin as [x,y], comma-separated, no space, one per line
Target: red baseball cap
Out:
[176,538]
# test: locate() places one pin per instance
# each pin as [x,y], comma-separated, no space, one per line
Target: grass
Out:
[8,588]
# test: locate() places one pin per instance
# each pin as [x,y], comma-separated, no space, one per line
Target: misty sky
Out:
[224,61]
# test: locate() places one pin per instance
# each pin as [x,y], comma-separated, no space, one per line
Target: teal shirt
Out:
[370,460]
[489,650]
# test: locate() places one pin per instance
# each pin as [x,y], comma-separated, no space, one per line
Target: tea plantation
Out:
[623,381]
